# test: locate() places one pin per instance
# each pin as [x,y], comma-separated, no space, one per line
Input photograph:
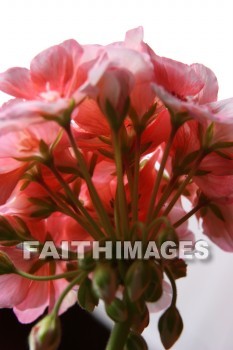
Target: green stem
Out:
[117,219]
[46,278]
[118,336]
[160,174]
[62,206]
[173,284]
[77,280]
[92,190]
[136,180]
[188,215]
[97,233]
[155,225]
[179,192]
[123,210]
[165,196]
[184,183]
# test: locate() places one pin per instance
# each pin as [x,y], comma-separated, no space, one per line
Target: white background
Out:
[190,31]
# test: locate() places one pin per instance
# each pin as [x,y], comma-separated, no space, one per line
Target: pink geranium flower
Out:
[51,85]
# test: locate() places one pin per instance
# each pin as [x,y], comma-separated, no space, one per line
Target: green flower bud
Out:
[46,334]
[168,234]
[87,299]
[135,342]
[137,279]
[117,310]
[155,289]
[87,263]
[105,282]
[141,318]
[170,327]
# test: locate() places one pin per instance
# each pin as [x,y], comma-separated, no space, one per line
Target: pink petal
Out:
[137,63]
[8,181]
[52,69]
[15,116]
[90,118]
[176,77]
[34,303]
[13,290]
[36,300]
[222,110]
[17,82]
[13,287]
[209,92]
[164,301]
[202,113]
[73,49]
[157,131]
[142,96]
[134,38]
[220,232]
[219,188]
[95,72]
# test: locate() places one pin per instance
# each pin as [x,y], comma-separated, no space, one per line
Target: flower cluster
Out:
[106,143]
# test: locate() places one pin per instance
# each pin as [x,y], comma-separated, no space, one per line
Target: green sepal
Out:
[170,327]
[135,342]
[137,279]
[87,299]
[117,310]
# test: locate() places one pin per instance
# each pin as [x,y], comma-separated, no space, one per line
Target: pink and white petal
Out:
[8,182]
[13,287]
[15,116]
[219,231]
[90,118]
[96,70]
[174,103]
[176,77]
[17,82]
[202,113]
[217,165]
[34,303]
[209,92]
[36,300]
[157,131]
[137,63]
[134,38]
[218,188]
[13,290]
[141,97]
[52,69]
[222,110]
[7,163]
[74,49]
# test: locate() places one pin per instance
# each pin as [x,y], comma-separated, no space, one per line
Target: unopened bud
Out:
[86,296]
[141,318]
[137,279]
[135,342]
[168,234]
[105,282]
[117,310]
[46,334]
[170,326]
[155,289]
